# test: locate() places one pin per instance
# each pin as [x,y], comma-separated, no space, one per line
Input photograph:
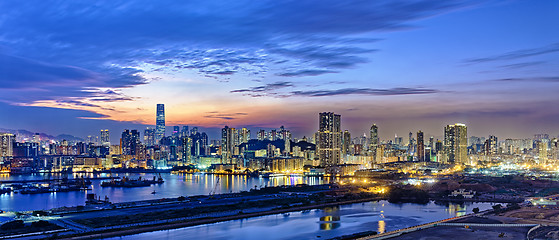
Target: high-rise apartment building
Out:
[329,142]
[130,142]
[185,132]
[228,144]
[490,145]
[160,123]
[542,150]
[176,131]
[261,135]
[149,137]
[346,142]
[456,142]
[420,147]
[374,140]
[244,135]
[105,139]
[7,143]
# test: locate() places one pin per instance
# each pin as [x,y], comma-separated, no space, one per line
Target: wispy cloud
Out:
[529,79]
[274,89]
[224,116]
[522,65]
[105,45]
[524,53]
[305,72]
[365,91]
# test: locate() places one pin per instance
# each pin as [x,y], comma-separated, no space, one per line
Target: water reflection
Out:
[381,226]
[333,222]
[330,219]
[455,209]
[175,185]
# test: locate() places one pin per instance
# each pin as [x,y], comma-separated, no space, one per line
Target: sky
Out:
[76,67]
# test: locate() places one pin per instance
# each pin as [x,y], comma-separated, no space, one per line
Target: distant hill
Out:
[22,134]
[68,137]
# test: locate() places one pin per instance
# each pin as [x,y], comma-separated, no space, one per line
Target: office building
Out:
[160,123]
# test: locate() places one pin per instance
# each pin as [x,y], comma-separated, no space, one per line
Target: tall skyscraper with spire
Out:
[160,123]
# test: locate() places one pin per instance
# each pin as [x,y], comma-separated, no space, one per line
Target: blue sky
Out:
[77,67]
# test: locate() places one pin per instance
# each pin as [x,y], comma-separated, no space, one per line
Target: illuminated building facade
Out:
[160,123]
[329,139]
[456,143]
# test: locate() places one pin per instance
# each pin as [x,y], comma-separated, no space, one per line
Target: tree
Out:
[40,224]
[497,208]
[12,225]
[475,210]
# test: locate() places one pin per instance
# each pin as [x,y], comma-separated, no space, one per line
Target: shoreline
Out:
[176,225]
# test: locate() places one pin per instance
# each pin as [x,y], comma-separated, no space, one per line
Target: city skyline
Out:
[406,66]
[290,119]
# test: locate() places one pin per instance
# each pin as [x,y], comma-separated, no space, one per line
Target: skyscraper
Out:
[130,142]
[228,143]
[346,142]
[491,145]
[542,150]
[374,138]
[456,142]
[329,140]
[105,139]
[261,135]
[160,123]
[420,147]
[7,143]
[149,137]
[176,131]
[185,132]
[244,135]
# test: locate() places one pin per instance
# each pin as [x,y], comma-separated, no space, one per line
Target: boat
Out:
[34,190]
[127,182]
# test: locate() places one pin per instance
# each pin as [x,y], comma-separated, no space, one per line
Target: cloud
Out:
[215,37]
[305,72]
[365,91]
[264,90]
[524,53]
[224,116]
[70,53]
[529,79]
[522,65]
[24,80]
[271,90]
[516,112]
[17,72]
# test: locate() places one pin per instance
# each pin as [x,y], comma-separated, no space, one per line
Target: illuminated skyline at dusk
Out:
[404,65]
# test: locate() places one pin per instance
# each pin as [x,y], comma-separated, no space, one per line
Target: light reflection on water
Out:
[175,185]
[319,224]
